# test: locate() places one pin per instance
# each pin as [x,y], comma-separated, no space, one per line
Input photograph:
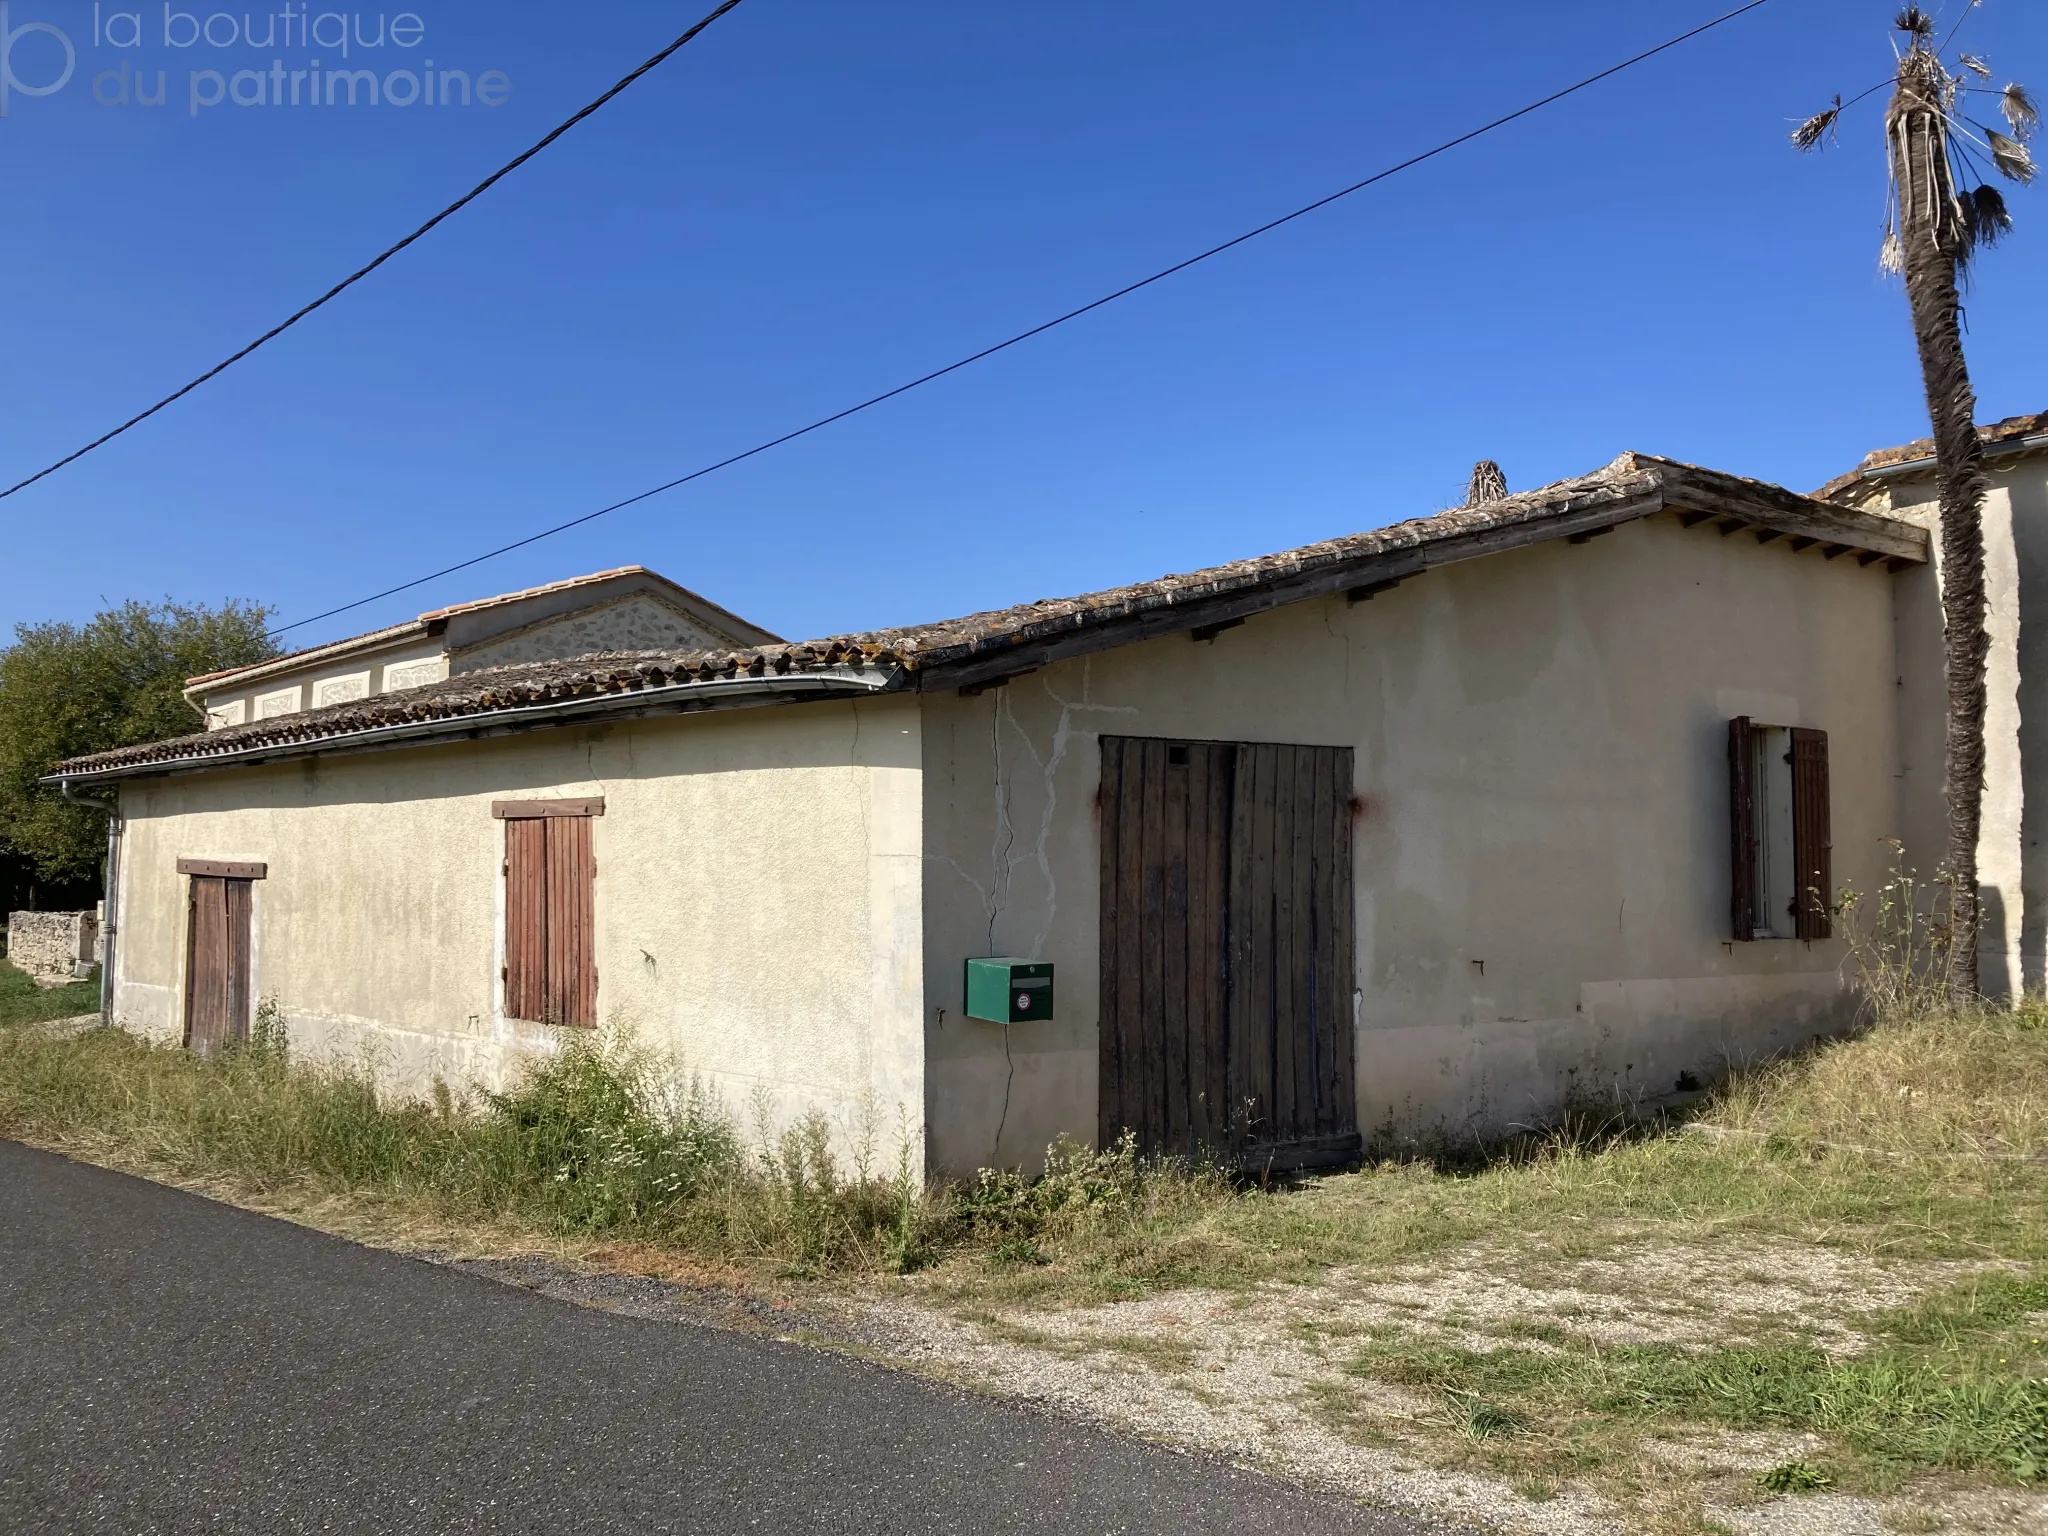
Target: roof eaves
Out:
[988,646]
[349,728]
[2013,435]
[985,647]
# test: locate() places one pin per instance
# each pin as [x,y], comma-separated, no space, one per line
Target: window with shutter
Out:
[1812,835]
[1778,816]
[1742,825]
[550,910]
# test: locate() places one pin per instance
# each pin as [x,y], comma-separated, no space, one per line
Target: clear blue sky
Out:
[818,200]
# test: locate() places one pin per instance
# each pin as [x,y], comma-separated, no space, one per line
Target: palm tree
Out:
[1934,229]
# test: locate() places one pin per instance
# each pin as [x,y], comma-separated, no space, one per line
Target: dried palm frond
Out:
[1915,22]
[2021,115]
[1891,256]
[1812,133]
[1962,230]
[1976,66]
[1988,219]
[2011,158]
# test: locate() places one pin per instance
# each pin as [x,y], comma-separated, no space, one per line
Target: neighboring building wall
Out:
[2012,846]
[335,682]
[1541,758]
[757,902]
[53,947]
[640,623]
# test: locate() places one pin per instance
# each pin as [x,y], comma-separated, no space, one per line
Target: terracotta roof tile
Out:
[920,648]
[2013,429]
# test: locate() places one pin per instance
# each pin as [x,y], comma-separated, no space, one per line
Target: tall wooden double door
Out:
[1227,950]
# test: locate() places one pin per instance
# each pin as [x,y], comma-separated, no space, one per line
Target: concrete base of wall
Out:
[1629,1044]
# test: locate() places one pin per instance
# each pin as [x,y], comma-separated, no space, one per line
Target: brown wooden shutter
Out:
[1742,827]
[571,922]
[525,919]
[550,919]
[1812,834]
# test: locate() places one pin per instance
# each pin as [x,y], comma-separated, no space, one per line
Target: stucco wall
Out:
[757,901]
[332,681]
[1541,756]
[2012,848]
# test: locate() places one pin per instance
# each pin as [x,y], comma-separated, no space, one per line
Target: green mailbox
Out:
[1006,991]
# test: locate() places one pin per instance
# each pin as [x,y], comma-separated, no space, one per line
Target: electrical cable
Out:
[1039,330]
[362,272]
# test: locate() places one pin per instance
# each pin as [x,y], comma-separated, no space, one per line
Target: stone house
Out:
[1413,833]
[630,609]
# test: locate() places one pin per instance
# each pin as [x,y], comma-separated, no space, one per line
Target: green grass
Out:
[1954,1386]
[23,1002]
[591,1143]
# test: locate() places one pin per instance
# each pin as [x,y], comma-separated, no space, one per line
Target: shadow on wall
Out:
[2030,541]
[1995,955]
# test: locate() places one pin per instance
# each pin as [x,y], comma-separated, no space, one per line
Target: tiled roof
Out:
[2001,434]
[541,591]
[415,626]
[1017,638]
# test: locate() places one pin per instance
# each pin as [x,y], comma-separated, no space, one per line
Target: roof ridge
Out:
[1631,485]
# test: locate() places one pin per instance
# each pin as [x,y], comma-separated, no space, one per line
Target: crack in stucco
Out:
[1005,839]
[1049,767]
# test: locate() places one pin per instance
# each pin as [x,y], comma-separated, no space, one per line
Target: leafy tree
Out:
[67,689]
[1939,221]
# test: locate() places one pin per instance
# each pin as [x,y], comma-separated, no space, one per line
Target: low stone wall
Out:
[53,947]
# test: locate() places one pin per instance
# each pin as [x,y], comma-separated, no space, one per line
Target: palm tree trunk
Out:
[1931,249]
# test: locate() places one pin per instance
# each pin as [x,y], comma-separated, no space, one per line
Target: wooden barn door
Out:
[1227,949]
[217,962]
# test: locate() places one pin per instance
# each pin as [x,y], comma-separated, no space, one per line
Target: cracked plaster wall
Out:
[1542,850]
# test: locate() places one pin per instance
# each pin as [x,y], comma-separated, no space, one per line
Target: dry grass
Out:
[1849,1272]
[598,1143]
[1847,1275]
[1964,1083]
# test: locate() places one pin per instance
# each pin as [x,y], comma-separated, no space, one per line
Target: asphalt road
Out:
[168,1364]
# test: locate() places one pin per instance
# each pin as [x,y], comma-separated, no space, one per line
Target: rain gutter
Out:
[671,698]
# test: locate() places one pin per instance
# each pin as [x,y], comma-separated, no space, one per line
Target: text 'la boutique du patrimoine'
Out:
[352,43]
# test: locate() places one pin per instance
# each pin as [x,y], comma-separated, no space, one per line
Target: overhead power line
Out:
[1040,330]
[360,273]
